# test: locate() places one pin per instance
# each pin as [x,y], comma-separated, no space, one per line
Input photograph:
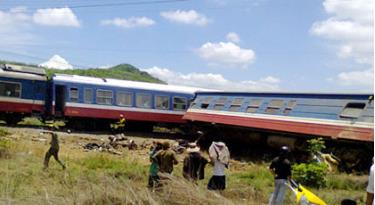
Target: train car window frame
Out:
[183,104]
[98,96]
[126,95]
[219,104]
[161,107]
[143,105]
[73,96]
[274,106]
[254,105]
[352,110]
[88,98]
[236,104]
[19,91]
[289,107]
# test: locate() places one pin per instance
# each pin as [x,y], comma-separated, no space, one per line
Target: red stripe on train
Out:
[129,115]
[20,107]
[334,131]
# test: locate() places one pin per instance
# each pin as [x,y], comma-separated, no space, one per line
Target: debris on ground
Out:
[115,142]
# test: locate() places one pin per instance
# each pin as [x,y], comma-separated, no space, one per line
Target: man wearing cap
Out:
[166,159]
[219,155]
[153,179]
[282,170]
[53,151]
[194,163]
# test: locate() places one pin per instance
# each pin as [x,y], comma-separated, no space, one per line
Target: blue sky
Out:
[261,45]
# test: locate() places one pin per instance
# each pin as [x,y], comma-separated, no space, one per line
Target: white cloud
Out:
[14,27]
[226,53]
[130,22]
[350,27]
[233,37]
[356,78]
[57,62]
[186,17]
[56,17]
[213,81]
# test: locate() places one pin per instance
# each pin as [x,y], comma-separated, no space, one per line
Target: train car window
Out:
[162,102]
[219,105]
[143,100]
[73,94]
[290,106]
[104,97]
[352,110]
[179,103]
[124,98]
[206,102]
[254,105]
[87,95]
[274,106]
[8,89]
[236,104]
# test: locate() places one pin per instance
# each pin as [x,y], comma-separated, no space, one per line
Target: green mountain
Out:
[121,71]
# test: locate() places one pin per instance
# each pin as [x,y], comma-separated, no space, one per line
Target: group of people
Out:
[163,159]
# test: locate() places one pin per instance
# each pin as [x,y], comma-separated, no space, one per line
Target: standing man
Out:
[121,124]
[370,187]
[153,178]
[53,150]
[166,159]
[194,163]
[282,170]
[219,155]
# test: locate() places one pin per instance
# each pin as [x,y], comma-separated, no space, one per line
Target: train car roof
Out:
[337,94]
[126,84]
[22,72]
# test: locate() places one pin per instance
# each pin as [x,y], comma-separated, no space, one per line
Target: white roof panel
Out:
[20,75]
[126,84]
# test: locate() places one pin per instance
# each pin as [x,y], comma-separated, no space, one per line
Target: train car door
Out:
[60,93]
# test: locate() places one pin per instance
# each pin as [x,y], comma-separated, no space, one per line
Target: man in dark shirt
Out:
[194,163]
[53,151]
[281,168]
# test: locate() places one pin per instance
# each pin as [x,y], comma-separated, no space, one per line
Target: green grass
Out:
[102,178]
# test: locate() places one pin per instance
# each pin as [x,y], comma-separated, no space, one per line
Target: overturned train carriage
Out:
[276,119]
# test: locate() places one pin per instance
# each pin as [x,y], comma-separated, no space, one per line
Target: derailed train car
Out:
[23,92]
[283,115]
[88,102]
[92,102]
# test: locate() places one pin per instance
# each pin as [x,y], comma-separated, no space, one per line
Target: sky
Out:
[242,45]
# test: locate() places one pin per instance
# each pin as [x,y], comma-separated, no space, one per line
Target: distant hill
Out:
[122,71]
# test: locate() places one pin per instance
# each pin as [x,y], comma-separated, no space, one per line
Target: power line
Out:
[113,4]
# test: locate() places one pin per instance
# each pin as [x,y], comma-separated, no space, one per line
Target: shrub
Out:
[4,148]
[316,145]
[3,132]
[311,174]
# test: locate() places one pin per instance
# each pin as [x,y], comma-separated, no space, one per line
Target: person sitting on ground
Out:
[282,170]
[153,179]
[166,159]
[194,163]
[219,155]
[53,150]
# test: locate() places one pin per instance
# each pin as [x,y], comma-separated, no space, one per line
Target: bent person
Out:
[282,170]
[53,151]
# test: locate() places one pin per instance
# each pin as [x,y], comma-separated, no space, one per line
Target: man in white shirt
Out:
[219,155]
[370,187]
